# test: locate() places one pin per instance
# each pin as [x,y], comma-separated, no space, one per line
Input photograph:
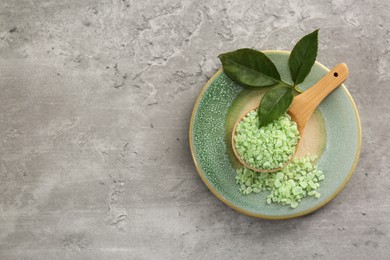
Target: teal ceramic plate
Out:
[334,135]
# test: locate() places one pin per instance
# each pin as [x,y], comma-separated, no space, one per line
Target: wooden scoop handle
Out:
[304,104]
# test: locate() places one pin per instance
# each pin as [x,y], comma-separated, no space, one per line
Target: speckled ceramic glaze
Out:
[210,127]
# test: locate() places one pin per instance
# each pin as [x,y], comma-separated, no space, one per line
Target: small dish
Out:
[333,133]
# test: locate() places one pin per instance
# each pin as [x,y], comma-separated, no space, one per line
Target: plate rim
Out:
[264,216]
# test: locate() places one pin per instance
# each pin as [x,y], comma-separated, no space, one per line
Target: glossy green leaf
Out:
[303,57]
[250,68]
[274,104]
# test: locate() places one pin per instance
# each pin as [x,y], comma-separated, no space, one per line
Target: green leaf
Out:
[250,68]
[303,57]
[274,104]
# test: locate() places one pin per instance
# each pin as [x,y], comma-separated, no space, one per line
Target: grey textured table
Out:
[95,104]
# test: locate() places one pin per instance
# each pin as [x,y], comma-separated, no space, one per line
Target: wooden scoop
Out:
[302,107]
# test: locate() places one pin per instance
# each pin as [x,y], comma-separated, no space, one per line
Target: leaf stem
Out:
[297,89]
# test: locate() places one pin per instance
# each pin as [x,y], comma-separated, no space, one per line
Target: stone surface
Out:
[95,104]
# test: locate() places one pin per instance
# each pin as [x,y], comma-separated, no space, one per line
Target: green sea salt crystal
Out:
[268,147]
[294,204]
[287,186]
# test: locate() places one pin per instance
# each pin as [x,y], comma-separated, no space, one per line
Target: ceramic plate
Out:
[333,133]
